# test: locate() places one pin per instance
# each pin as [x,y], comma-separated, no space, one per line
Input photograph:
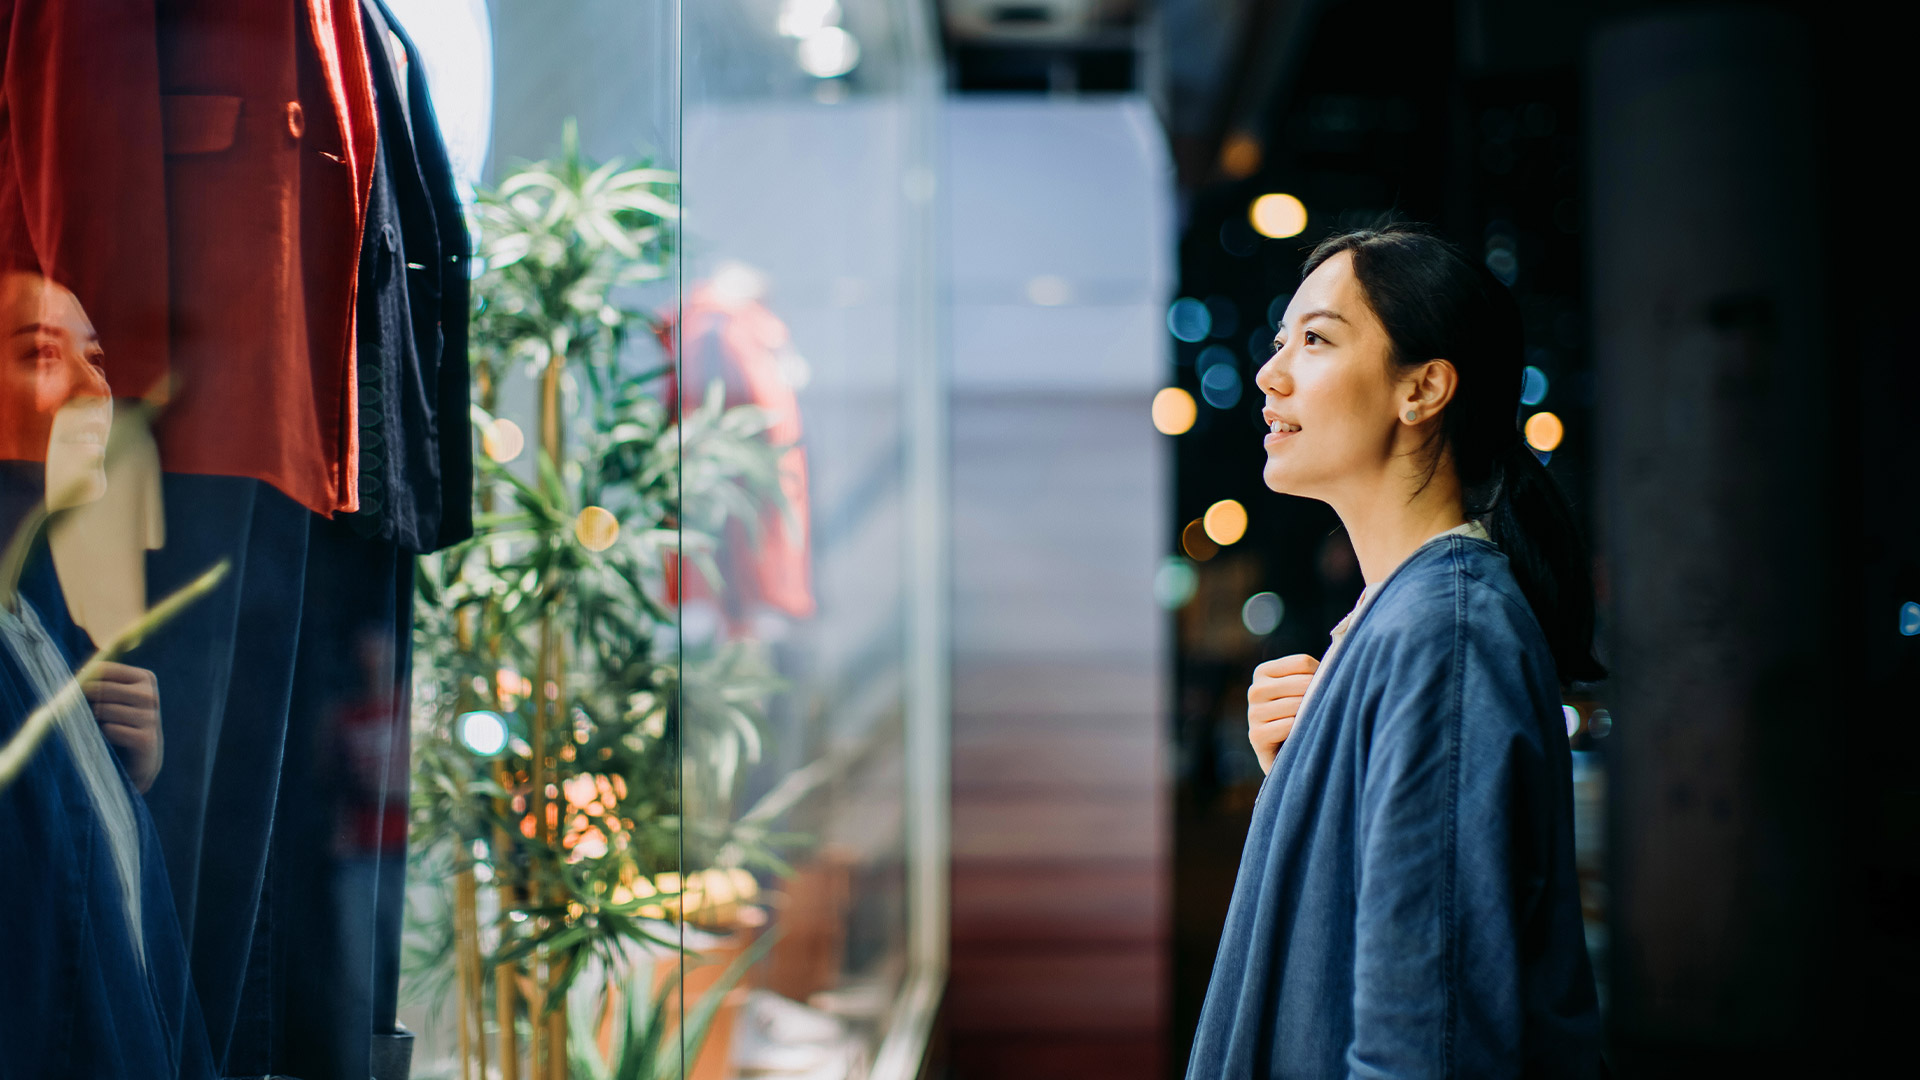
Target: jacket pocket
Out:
[199,123]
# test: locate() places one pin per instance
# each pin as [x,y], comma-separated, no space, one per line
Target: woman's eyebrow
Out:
[1322,313]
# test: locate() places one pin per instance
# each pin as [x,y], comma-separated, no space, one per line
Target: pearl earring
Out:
[1412,415]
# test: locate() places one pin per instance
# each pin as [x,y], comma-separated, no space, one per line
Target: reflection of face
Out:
[1329,379]
[54,403]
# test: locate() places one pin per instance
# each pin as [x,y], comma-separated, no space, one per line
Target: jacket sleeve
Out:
[1436,964]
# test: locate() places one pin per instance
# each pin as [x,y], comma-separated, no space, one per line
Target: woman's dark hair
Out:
[1437,304]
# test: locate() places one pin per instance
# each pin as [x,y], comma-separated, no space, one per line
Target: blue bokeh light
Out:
[1220,386]
[1910,619]
[1188,319]
[1533,386]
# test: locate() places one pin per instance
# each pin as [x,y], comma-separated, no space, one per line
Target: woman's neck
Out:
[1385,526]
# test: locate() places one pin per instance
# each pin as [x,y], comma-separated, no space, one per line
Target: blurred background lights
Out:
[828,53]
[1278,216]
[1240,155]
[1599,723]
[596,528]
[1277,310]
[1174,583]
[1173,411]
[483,732]
[1225,522]
[1188,320]
[1533,386]
[1544,432]
[1573,719]
[1910,619]
[1220,386]
[1047,290]
[1262,612]
[804,18]
[502,440]
[1193,541]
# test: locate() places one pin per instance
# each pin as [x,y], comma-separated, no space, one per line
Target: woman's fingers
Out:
[1272,689]
[1297,664]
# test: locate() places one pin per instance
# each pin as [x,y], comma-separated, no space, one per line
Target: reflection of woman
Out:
[1406,902]
[96,976]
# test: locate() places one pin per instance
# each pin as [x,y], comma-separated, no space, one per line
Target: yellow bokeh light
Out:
[596,528]
[1173,411]
[1193,541]
[1278,216]
[502,440]
[1225,522]
[1240,155]
[1544,431]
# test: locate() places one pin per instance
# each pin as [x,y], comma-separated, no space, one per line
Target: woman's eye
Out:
[1313,338]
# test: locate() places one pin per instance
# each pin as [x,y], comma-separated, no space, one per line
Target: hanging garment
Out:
[735,339]
[197,171]
[96,976]
[416,442]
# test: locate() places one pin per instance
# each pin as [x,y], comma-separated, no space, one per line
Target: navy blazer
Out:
[1406,903]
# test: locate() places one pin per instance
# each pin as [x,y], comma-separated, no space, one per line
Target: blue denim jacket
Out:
[1406,904]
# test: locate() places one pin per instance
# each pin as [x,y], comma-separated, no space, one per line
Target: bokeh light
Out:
[1544,432]
[1240,155]
[1277,310]
[1188,320]
[1225,522]
[1174,583]
[1533,386]
[502,440]
[1910,619]
[483,732]
[1194,541]
[596,528]
[1573,719]
[1260,345]
[1600,723]
[1220,386]
[1262,612]
[828,52]
[1174,411]
[1278,216]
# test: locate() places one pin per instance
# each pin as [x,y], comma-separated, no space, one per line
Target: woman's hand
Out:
[1274,700]
[126,701]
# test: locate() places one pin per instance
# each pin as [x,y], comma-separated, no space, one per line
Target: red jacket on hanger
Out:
[739,342]
[196,172]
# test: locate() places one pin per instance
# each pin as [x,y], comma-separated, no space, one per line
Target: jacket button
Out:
[296,119]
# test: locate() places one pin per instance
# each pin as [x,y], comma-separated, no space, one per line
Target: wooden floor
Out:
[1060,816]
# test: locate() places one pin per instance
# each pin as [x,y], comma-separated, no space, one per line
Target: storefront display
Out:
[470,613]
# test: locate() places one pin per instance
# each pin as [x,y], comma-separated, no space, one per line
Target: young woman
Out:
[1406,904]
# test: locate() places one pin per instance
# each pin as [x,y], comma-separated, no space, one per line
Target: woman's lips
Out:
[1275,438]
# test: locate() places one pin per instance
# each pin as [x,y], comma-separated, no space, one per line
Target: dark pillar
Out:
[1715,543]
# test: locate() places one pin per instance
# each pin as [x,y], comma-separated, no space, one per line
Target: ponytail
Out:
[1436,303]
[1530,520]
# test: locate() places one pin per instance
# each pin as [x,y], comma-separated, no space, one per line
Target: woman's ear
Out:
[1427,391]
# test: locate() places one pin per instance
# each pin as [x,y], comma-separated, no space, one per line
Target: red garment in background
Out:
[740,342]
[196,172]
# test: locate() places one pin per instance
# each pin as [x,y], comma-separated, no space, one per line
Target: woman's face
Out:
[1332,405]
[54,403]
